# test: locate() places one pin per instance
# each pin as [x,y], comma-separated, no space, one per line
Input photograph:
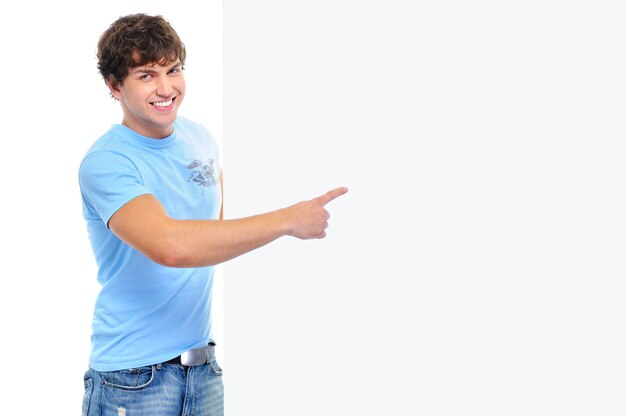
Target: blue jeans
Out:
[157,390]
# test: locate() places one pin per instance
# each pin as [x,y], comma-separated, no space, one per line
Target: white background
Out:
[54,106]
[474,268]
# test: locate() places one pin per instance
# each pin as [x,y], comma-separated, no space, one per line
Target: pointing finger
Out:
[330,195]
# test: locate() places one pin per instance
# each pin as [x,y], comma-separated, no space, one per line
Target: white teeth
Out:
[163,103]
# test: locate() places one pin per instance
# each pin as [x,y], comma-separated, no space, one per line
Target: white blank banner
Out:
[476,265]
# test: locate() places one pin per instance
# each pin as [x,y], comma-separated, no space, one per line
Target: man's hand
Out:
[309,219]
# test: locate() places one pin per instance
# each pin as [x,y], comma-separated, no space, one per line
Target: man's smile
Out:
[164,105]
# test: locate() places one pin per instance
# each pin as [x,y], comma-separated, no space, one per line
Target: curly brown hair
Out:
[136,40]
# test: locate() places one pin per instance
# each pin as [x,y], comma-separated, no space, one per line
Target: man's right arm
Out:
[143,224]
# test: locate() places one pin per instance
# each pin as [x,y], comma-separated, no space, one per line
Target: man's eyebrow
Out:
[175,65]
[151,70]
[143,69]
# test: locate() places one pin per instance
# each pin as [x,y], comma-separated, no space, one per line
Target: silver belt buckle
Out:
[197,356]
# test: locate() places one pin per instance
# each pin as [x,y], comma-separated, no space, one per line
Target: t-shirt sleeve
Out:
[109,180]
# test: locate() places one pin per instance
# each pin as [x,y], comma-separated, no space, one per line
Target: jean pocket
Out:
[132,379]
[215,367]
[87,396]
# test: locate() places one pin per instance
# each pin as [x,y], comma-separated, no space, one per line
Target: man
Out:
[152,200]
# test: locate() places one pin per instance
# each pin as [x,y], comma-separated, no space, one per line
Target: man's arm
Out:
[143,224]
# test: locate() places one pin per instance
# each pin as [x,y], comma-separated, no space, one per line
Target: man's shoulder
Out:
[108,149]
[195,133]
[110,139]
[187,124]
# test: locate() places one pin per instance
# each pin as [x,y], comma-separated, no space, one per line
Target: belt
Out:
[194,357]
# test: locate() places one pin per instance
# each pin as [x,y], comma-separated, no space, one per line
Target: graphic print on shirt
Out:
[202,174]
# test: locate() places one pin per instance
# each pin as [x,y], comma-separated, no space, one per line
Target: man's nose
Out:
[164,87]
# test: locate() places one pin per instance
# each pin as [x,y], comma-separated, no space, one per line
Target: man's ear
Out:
[114,88]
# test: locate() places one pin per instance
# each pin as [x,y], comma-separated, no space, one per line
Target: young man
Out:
[152,200]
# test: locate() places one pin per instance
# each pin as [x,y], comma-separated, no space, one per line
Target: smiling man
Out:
[152,199]
[150,97]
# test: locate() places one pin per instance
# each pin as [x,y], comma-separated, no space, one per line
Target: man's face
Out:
[150,96]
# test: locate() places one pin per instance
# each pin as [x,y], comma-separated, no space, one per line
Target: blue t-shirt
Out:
[146,313]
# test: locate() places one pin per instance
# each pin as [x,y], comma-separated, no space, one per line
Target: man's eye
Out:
[144,76]
[174,71]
